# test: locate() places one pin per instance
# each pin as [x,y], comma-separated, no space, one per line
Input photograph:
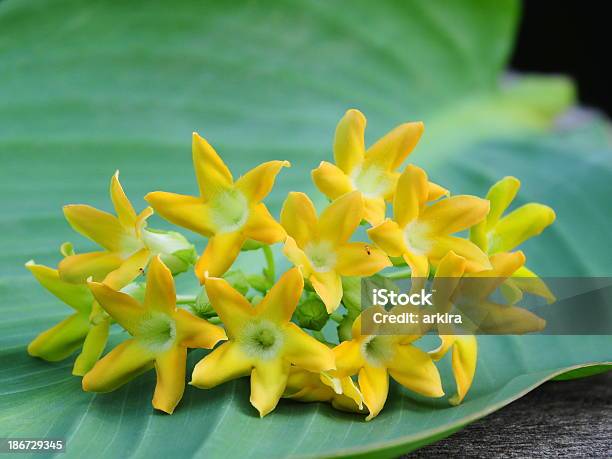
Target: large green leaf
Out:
[86,88]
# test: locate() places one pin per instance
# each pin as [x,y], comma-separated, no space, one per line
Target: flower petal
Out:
[61,340]
[390,151]
[454,214]
[523,223]
[297,256]
[194,332]
[360,259]
[476,259]
[414,369]
[304,351]
[160,294]
[501,195]
[225,363]
[94,345]
[129,270]
[528,281]
[101,227]
[268,382]
[170,368]
[233,309]
[328,286]
[125,212]
[447,278]
[410,195]
[186,211]
[120,306]
[220,253]
[331,180]
[435,191]
[419,265]
[503,266]
[257,183]
[212,174]
[349,147]
[374,385]
[348,358]
[262,227]
[374,210]
[341,218]
[76,296]
[126,361]
[78,268]
[280,302]
[465,353]
[389,237]
[299,218]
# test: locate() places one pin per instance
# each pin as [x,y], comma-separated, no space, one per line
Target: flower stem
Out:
[270,270]
[185,299]
[401,274]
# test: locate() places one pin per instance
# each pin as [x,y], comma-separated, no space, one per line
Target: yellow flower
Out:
[226,212]
[306,386]
[263,343]
[161,335]
[464,347]
[373,172]
[376,357]
[128,244]
[320,246]
[499,233]
[470,296]
[76,331]
[421,234]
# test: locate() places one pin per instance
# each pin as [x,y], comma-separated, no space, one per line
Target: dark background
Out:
[571,38]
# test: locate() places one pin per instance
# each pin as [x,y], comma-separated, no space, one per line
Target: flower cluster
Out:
[270,329]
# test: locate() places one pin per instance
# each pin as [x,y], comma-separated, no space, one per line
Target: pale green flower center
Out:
[156,332]
[262,339]
[417,237]
[377,350]
[130,244]
[322,255]
[373,182]
[230,210]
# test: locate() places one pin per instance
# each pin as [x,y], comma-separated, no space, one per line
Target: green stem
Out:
[401,274]
[270,271]
[185,299]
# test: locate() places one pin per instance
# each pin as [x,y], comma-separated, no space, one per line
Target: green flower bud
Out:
[311,313]
[177,253]
[250,244]
[202,307]
[238,280]
[258,282]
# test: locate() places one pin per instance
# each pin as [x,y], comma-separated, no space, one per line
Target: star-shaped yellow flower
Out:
[320,246]
[161,335]
[128,243]
[84,328]
[469,296]
[376,357]
[421,233]
[373,172]
[226,212]
[263,343]
[499,233]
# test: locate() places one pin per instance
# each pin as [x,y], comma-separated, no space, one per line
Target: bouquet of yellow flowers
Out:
[266,327]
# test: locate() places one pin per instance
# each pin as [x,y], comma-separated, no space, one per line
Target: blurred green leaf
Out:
[88,88]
